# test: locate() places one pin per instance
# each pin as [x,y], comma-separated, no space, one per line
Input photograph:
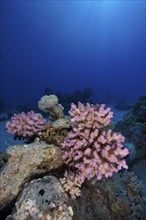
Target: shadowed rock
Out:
[25,163]
[40,196]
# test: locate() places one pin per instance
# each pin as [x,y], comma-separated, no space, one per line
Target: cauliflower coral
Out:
[50,104]
[47,102]
[25,124]
[91,147]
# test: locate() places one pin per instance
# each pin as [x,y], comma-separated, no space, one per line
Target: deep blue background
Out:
[67,45]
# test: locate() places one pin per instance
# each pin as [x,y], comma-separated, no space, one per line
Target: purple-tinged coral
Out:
[25,124]
[90,147]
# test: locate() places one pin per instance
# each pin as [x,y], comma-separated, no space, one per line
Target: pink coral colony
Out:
[91,147]
[25,124]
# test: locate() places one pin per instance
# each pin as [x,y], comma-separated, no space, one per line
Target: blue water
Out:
[69,45]
[65,46]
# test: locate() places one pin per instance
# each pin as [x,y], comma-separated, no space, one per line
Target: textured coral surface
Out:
[90,147]
[25,124]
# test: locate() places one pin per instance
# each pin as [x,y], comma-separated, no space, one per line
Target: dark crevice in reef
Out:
[7,211]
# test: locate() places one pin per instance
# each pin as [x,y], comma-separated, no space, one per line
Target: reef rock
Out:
[25,163]
[42,197]
[62,123]
[117,198]
[3,159]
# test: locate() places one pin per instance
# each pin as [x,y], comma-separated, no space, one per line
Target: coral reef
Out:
[50,104]
[133,125]
[55,132]
[134,190]
[25,125]
[47,102]
[138,136]
[70,184]
[38,196]
[66,99]
[122,195]
[91,148]
[25,163]
[62,212]
[46,178]
[106,199]
[3,159]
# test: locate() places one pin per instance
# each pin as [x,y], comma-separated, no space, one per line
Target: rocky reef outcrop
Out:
[40,196]
[26,162]
[133,124]
[40,179]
